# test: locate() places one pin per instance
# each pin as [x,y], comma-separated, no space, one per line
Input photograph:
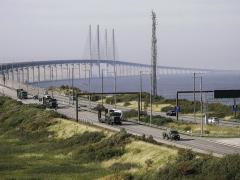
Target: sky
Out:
[191,33]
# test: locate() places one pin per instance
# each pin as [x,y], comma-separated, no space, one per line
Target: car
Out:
[35,97]
[213,120]
[171,134]
[171,113]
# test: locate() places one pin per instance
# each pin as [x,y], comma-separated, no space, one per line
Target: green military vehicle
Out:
[21,94]
[171,134]
[49,102]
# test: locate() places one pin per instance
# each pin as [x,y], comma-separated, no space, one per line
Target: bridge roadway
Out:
[92,61]
[198,144]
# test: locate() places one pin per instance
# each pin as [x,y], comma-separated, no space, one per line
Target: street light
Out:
[194,94]
[140,74]
[89,86]
[201,99]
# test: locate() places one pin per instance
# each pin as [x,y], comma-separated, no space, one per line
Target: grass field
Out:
[39,144]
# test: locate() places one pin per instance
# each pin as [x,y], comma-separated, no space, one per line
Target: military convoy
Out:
[171,134]
[21,94]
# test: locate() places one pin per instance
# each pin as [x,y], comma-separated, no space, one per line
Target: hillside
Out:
[40,144]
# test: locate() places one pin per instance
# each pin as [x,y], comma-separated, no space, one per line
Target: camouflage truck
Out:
[49,102]
[171,134]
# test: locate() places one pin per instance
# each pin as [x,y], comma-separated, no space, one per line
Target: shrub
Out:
[185,155]
[187,128]
[127,104]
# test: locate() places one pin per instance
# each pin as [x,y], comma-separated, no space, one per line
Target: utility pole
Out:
[102,88]
[154,55]
[194,96]
[89,89]
[72,85]
[151,101]
[115,73]
[140,91]
[201,106]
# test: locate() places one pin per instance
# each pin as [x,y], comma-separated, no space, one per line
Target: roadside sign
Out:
[178,109]
[234,108]
[226,93]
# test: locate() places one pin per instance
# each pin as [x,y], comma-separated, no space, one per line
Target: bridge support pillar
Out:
[38,68]
[27,75]
[79,71]
[33,73]
[44,73]
[17,74]
[61,71]
[56,72]
[12,73]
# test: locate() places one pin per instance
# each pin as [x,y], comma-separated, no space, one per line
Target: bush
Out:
[105,149]
[185,155]
[157,120]
[187,128]
[127,104]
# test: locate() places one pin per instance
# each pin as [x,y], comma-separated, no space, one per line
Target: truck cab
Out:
[112,116]
[21,94]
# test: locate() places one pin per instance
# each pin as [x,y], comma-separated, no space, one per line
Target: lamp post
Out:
[194,96]
[140,90]
[201,106]
[151,100]
[102,87]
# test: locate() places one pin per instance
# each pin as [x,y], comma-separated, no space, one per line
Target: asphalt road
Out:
[198,144]
[186,118]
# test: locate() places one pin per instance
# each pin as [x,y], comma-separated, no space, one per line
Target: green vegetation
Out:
[40,144]
[190,166]
[36,143]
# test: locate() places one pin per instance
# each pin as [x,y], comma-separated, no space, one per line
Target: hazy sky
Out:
[191,33]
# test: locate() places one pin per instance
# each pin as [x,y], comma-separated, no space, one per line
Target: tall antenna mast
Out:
[98,49]
[113,39]
[154,55]
[90,41]
[90,49]
[106,44]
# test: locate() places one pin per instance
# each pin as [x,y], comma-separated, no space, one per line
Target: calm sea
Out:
[167,85]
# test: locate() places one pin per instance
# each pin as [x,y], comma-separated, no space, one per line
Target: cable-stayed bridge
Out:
[99,61]
[83,68]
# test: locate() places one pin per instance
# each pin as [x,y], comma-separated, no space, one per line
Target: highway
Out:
[186,118]
[198,144]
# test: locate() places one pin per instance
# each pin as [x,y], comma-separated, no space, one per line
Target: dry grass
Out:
[137,152]
[64,129]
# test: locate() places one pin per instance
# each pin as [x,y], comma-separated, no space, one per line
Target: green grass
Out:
[40,144]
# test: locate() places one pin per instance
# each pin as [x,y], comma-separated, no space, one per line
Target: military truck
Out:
[21,94]
[112,116]
[49,102]
[171,134]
